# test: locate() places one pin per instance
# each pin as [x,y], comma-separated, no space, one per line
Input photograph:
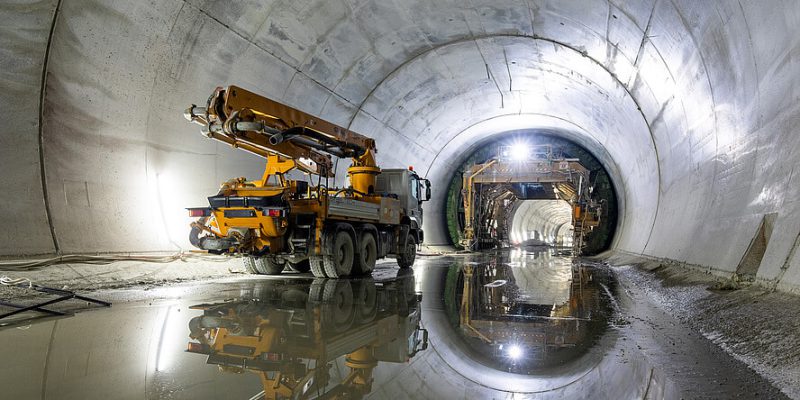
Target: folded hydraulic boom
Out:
[277,221]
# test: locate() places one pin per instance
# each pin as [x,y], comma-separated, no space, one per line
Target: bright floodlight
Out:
[514,352]
[520,152]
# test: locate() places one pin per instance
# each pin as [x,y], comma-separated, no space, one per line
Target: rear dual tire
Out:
[344,260]
[340,263]
[262,265]
[367,255]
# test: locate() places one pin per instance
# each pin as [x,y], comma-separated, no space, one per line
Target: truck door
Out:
[415,198]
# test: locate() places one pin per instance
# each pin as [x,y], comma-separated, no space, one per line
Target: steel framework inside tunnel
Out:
[515,201]
[522,172]
[690,106]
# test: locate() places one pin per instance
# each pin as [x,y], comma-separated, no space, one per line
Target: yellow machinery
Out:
[276,221]
[585,217]
[290,334]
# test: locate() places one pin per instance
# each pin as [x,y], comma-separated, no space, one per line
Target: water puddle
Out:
[527,312]
[482,326]
[292,334]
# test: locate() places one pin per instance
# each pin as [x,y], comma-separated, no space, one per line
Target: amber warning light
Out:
[199,348]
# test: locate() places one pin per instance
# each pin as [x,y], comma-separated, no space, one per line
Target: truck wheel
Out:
[367,254]
[338,306]
[316,290]
[365,298]
[340,263]
[317,267]
[406,256]
[262,265]
[302,266]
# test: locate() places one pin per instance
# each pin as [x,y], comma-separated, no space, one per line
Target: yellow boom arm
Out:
[266,127]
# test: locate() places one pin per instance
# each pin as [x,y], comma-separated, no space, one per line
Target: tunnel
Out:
[691,109]
[551,217]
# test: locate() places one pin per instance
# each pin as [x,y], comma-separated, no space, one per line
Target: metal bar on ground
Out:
[64,295]
[35,307]
[44,310]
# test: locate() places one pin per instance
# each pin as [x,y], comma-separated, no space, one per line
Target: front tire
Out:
[262,265]
[407,255]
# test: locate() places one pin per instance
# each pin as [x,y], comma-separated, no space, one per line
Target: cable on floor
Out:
[26,265]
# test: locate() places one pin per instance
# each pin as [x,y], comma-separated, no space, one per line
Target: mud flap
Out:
[402,238]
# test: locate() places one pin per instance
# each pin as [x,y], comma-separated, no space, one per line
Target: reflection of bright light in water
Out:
[514,352]
[161,357]
[170,334]
[418,282]
[518,257]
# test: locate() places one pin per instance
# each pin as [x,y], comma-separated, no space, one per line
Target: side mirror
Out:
[427,189]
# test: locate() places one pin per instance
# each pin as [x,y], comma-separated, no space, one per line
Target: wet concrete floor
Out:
[508,324]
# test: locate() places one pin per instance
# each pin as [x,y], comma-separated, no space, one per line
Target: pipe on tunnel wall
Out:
[693,104]
[22,63]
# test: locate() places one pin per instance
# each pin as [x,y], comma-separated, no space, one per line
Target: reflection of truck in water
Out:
[290,332]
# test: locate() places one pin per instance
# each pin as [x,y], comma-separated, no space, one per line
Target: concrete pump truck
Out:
[277,222]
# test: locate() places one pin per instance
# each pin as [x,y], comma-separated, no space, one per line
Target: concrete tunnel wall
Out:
[691,106]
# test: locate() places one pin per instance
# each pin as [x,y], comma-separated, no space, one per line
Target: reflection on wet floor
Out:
[525,312]
[529,324]
[290,332]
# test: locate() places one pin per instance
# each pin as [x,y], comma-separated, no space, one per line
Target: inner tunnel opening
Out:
[541,223]
[532,188]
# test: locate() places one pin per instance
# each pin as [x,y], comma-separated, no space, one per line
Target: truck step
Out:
[299,242]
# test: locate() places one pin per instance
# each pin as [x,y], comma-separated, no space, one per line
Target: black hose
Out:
[296,133]
[194,237]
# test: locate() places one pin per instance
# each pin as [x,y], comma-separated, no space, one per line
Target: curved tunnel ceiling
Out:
[691,106]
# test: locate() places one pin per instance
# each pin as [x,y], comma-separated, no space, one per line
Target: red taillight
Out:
[273,356]
[196,213]
[274,212]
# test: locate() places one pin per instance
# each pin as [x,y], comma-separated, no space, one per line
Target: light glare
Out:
[520,152]
[514,352]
